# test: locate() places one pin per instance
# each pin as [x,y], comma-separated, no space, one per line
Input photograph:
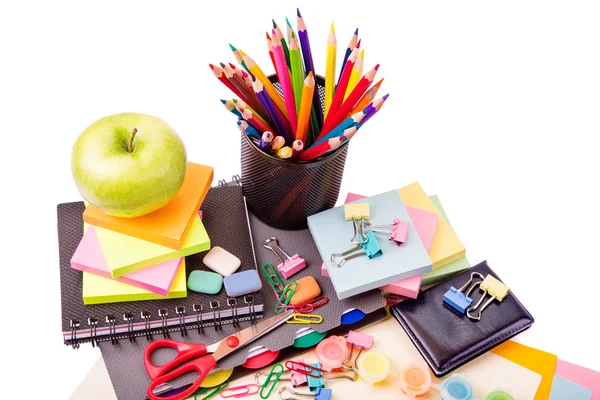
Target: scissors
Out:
[201,358]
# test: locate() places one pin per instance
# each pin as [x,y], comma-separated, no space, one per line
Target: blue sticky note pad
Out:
[563,389]
[457,300]
[242,283]
[332,233]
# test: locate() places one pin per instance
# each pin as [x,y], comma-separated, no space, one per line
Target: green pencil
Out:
[297,70]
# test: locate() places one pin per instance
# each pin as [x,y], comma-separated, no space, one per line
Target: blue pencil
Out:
[349,49]
[249,129]
[351,121]
[230,106]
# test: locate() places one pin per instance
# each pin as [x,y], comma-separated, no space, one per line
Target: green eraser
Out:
[205,282]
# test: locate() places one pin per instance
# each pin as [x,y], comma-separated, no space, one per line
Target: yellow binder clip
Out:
[492,286]
[305,319]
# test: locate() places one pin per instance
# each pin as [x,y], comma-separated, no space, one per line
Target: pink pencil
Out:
[286,85]
[320,149]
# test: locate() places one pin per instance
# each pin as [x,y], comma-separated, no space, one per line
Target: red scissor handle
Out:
[185,352]
[202,365]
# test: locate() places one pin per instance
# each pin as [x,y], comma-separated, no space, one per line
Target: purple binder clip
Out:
[291,265]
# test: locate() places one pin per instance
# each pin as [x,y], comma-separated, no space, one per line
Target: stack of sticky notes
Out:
[143,258]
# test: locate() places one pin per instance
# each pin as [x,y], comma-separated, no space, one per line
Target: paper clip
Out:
[240,391]
[320,394]
[271,381]
[398,230]
[370,248]
[305,319]
[273,278]
[217,390]
[291,265]
[295,377]
[286,296]
[305,369]
[309,306]
[457,299]
[361,341]
[359,231]
[492,286]
[315,382]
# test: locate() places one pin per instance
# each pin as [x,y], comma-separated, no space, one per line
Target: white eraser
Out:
[221,261]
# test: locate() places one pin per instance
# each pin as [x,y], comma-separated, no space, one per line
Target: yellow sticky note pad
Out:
[446,246]
[357,211]
[125,254]
[99,290]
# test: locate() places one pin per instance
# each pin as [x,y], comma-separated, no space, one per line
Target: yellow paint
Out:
[446,246]
[217,378]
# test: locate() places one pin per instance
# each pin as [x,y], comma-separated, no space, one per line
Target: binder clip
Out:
[459,300]
[315,382]
[291,265]
[370,248]
[361,341]
[314,373]
[320,394]
[359,233]
[297,378]
[492,286]
[356,210]
[398,230]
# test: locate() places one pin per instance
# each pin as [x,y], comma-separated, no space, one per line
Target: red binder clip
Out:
[291,265]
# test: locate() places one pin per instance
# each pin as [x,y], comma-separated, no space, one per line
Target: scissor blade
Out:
[245,336]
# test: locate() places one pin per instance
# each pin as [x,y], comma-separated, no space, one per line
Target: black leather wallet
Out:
[447,339]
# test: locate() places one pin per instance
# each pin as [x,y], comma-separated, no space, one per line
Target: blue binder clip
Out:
[321,393]
[459,300]
[370,248]
[315,383]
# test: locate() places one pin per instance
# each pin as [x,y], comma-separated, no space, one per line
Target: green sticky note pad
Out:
[205,282]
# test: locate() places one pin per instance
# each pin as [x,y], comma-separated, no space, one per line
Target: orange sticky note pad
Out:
[169,225]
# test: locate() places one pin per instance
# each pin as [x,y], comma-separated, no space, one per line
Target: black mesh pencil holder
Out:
[284,193]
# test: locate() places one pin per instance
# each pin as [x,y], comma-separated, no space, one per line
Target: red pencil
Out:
[340,90]
[270,47]
[220,75]
[319,150]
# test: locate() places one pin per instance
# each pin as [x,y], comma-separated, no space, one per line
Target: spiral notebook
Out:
[226,220]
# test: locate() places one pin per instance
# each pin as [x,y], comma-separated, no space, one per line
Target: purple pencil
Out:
[376,105]
[308,63]
[269,107]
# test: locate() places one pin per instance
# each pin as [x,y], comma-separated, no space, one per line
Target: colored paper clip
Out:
[309,306]
[398,230]
[315,382]
[492,286]
[271,382]
[240,391]
[370,248]
[459,300]
[295,377]
[273,278]
[361,341]
[286,296]
[305,319]
[291,265]
[320,394]
[305,369]
[216,391]
[359,232]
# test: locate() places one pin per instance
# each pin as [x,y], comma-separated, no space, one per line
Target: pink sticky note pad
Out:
[582,376]
[406,287]
[324,271]
[89,258]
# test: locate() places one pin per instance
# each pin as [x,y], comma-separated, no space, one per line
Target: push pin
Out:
[398,230]
[370,248]
[459,300]
[291,265]
[492,286]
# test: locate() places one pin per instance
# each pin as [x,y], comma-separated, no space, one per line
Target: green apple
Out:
[128,164]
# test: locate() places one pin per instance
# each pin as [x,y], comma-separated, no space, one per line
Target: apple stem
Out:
[130,147]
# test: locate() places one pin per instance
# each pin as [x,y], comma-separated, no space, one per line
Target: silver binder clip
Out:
[369,248]
[359,232]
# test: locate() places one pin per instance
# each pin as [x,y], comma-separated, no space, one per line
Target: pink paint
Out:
[582,376]
[89,258]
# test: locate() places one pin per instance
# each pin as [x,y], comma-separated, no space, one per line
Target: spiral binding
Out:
[235,180]
[74,325]
[128,317]
[112,329]
[146,317]
[93,324]
[214,306]
[232,303]
[198,310]
[163,313]
[180,311]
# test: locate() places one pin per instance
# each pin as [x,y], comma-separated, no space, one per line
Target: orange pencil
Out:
[269,88]
[305,107]
[367,98]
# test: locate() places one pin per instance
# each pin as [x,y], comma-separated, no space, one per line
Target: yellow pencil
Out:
[330,68]
[356,74]
[270,89]
[305,107]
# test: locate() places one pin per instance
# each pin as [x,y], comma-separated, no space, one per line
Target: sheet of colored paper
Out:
[585,377]
[563,389]
[99,290]
[126,254]
[533,359]
[169,225]
[89,258]
[446,246]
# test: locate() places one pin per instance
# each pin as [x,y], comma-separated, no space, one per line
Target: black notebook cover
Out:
[448,340]
[226,221]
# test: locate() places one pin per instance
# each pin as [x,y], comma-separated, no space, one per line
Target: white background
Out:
[494,106]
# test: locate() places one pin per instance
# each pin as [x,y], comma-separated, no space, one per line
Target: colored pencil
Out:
[237,80]
[230,106]
[376,106]
[338,130]
[256,122]
[265,140]
[238,54]
[321,149]
[286,86]
[220,75]
[310,67]
[271,109]
[277,143]
[297,71]
[338,96]
[241,106]
[297,147]
[367,98]
[281,38]
[285,152]
[290,30]
[244,126]
[305,107]
[330,68]
[271,91]
[350,102]
[270,47]
[356,74]
[349,49]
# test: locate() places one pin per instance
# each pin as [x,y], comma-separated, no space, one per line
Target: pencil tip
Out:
[223,101]
[287,21]
[356,31]
[232,47]
[274,24]
[358,43]
[268,37]
[232,66]
[211,66]
[386,96]
[239,123]
[273,33]
[376,67]
[298,13]
[332,29]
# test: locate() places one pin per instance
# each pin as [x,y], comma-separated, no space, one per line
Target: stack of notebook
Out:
[142,258]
